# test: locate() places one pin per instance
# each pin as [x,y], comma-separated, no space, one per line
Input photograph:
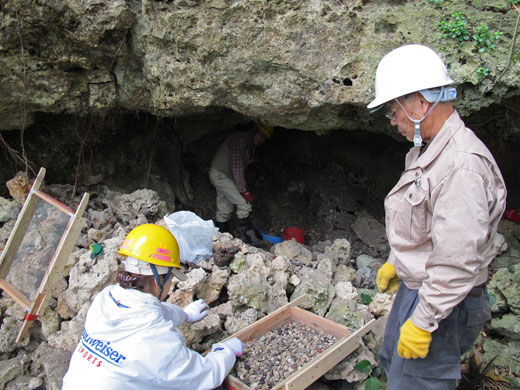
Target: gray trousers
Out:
[228,196]
[440,369]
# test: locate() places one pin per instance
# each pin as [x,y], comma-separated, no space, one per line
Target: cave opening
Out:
[320,183]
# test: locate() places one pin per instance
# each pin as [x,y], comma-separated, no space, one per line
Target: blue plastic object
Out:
[271,239]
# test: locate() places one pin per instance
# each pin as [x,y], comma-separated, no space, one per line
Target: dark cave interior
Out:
[319,183]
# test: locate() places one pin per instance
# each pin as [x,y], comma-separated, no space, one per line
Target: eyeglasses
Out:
[391,114]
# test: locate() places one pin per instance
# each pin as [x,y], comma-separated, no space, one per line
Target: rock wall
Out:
[297,64]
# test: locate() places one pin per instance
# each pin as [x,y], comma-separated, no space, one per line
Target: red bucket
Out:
[293,232]
[513,215]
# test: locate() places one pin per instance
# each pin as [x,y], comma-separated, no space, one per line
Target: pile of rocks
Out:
[255,283]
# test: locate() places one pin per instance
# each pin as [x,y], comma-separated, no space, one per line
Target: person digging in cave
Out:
[441,223]
[227,174]
[130,339]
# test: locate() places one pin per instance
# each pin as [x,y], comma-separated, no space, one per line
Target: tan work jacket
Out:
[441,220]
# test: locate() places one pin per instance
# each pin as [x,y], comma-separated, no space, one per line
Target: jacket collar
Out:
[452,125]
[133,298]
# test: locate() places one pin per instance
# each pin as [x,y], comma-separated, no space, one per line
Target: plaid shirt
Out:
[241,150]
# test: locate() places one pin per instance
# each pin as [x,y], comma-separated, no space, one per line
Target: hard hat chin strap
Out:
[156,276]
[417,139]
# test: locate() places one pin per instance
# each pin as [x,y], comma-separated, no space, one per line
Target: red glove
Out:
[248,196]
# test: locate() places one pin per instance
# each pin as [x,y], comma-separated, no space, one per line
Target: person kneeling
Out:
[131,339]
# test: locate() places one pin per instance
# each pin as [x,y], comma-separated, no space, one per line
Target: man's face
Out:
[398,118]
[259,138]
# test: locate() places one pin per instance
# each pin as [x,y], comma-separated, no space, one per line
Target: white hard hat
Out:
[408,69]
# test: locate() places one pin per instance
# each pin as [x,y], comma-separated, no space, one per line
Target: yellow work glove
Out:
[387,280]
[414,342]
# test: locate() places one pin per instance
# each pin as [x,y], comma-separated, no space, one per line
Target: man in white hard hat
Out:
[441,223]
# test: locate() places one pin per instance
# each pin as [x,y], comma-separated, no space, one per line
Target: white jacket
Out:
[136,346]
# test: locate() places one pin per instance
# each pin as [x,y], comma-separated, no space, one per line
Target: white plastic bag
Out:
[193,234]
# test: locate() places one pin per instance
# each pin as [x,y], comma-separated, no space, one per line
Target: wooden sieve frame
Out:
[57,262]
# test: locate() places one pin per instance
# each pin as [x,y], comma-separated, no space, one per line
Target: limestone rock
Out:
[207,265]
[497,299]
[239,263]
[241,320]
[196,279]
[508,326]
[510,231]
[370,231]
[507,282]
[5,303]
[366,261]
[294,251]
[281,263]
[249,288]
[210,290]
[345,369]
[344,274]
[378,333]
[128,207]
[68,336]
[258,286]
[5,232]
[319,290]
[326,266]
[278,290]
[225,241]
[87,278]
[365,277]
[14,310]
[8,210]
[8,333]
[339,251]
[119,54]
[346,291]
[381,304]
[507,354]
[19,187]
[348,313]
[25,382]
[50,321]
[294,280]
[99,235]
[194,332]
[224,310]
[12,368]
[54,362]
[100,219]
[181,298]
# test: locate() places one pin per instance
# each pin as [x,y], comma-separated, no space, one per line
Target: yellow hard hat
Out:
[266,130]
[153,244]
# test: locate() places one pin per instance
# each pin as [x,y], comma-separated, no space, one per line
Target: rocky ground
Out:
[336,267]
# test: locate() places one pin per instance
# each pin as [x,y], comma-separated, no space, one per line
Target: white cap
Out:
[136,266]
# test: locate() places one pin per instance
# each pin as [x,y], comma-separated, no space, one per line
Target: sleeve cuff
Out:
[423,320]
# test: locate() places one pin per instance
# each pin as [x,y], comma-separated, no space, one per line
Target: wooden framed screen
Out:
[35,253]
